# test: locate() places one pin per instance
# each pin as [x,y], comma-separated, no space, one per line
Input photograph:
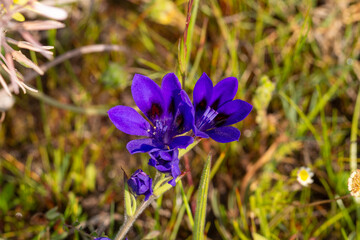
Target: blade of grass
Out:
[326,146]
[346,214]
[331,220]
[354,132]
[202,195]
[218,163]
[177,223]
[334,90]
[241,210]
[44,115]
[199,53]
[186,203]
[238,231]
[306,120]
[191,27]
[229,37]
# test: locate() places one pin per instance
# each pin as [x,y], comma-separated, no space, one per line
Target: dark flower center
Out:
[201,105]
[162,130]
[220,118]
[215,104]
[155,111]
[179,123]
[210,119]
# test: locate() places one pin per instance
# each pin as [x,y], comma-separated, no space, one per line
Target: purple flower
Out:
[141,184]
[166,162]
[215,109]
[102,238]
[168,109]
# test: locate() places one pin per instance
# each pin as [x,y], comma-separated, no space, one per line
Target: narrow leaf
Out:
[128,200]
[200,213]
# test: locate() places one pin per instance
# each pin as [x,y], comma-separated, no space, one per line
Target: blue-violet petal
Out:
[224,134]
[127,120]
[232,112]
[223,91]
[181,142]
[148,97]
[143,145]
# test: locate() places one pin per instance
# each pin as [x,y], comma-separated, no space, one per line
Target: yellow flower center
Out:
[304,175]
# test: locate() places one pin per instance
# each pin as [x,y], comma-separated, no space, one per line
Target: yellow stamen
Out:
[304,175]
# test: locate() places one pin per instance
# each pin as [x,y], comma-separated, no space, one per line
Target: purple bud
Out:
[166,162]
[141,184]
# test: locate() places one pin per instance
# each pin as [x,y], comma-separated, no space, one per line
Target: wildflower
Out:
[354,183]
[141,184]
[304,176]
[166,162]
[168,109]
[102,238]
[215,109]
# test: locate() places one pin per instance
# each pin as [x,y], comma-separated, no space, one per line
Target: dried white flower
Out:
[6,101]
[49,11]
[13,20]
[354,183]
[304,176]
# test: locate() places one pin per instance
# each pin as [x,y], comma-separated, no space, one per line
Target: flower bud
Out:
[141,184]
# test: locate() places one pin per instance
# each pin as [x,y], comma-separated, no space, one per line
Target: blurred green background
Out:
[297,62]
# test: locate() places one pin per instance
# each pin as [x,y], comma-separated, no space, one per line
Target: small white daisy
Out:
[354,183]
[304,176]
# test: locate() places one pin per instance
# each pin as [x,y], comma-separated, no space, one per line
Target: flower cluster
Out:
[171,121]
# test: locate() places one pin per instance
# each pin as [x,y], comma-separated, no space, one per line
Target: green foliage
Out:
[115,77]
[202,196]
[7,194]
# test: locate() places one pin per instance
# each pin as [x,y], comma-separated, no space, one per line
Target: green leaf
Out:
[201,202]
[52,214]
[90,174]
[162,181]
[163,188]
[181,56]
[257,236]
[7,195]
[130,201]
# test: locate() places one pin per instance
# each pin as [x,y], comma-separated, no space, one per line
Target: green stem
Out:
[130,220]
[353,136]
[82,110]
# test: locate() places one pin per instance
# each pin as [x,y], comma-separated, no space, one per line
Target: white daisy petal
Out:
[304,176]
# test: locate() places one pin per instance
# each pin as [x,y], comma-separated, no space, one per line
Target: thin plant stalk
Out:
[130,220]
